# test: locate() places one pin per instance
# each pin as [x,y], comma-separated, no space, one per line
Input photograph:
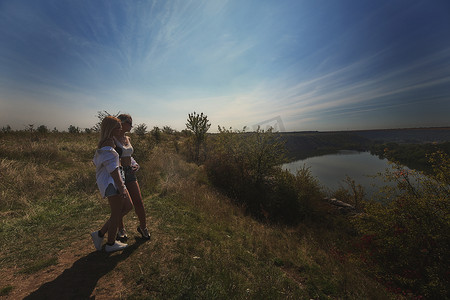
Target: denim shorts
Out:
[130,176]
[111,190]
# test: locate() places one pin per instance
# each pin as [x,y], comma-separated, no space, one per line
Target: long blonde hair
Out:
[109,123]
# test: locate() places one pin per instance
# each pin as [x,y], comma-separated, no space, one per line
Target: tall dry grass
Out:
[47,184]
[38,167]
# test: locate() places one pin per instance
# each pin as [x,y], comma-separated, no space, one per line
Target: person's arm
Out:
[118,181]
[134,165]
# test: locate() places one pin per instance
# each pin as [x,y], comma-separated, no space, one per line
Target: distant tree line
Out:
[414,156]
[43,129]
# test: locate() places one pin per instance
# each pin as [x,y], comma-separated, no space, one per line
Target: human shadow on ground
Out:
[79,281]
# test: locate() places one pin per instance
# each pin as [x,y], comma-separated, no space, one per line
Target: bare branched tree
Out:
[100,116]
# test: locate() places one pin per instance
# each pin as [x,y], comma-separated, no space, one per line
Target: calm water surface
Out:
[332,169]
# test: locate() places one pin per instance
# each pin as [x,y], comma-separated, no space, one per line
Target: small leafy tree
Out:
[73,129]
[6,129]
[168,130]
[42,129]
[265,151]
[199,125]
[140,129]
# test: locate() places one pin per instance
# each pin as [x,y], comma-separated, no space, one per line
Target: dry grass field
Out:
[203,245]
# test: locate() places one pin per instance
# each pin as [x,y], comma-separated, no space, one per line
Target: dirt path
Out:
[81,273]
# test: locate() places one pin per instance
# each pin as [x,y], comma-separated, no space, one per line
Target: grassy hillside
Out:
[203,244]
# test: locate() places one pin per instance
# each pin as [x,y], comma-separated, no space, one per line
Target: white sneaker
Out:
[116,247]
[98,241]
[121,234]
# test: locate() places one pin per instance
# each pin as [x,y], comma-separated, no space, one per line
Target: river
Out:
[331,170]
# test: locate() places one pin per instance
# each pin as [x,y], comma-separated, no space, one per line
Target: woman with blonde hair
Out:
[110,181]
[125,150]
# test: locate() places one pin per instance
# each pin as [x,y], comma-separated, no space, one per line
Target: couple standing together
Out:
[116,180]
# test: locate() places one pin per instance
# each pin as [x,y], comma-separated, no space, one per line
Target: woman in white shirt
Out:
[110,181]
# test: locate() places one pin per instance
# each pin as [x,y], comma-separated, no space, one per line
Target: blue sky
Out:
[296,65]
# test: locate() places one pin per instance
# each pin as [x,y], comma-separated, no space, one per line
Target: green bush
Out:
[291,198]
[247,166]
[143,145]
[42,129]
[73,129]
[156,134]
[408,237]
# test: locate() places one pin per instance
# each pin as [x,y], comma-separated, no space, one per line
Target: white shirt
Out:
[106,160]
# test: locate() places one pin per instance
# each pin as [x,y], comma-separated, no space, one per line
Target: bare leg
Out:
[121,225]
[119,208]
[136,197]
[127,207]
[116,204]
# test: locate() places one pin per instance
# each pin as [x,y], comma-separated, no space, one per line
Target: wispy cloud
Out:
[239,62]
[354,86]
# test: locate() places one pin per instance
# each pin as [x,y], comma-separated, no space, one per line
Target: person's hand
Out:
[123,191]
[134,168]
